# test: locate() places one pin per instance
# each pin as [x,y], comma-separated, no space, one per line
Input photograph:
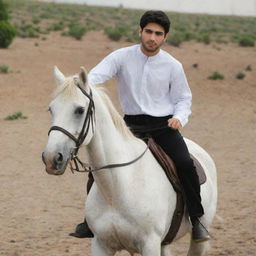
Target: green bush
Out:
[204,37]
[247,41]
[57,26]
[7,33]
[175,39]
[4,69]
[76,31]
[248,68]
[3,11]
[28,30]
[35,20]
[115,33]
[240,75]
[216,76]
[15,116]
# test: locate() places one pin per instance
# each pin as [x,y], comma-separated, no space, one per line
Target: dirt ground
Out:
[38,210]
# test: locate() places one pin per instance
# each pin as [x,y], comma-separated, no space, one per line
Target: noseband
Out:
[89,120]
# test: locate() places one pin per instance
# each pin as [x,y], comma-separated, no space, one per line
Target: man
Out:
[155,95]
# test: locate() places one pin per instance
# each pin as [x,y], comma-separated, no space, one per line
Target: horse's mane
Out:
[68,90]
[116,117]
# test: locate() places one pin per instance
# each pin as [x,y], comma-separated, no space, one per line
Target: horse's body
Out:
[128,208]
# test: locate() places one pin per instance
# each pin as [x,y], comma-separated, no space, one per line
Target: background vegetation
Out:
[7,31]
[37,19]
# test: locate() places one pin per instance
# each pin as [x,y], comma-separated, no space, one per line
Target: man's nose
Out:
[153,37]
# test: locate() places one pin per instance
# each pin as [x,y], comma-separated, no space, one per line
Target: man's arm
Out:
[105,70]
[181,97]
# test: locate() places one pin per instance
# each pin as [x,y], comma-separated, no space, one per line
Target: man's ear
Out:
[166,36]
[140,32]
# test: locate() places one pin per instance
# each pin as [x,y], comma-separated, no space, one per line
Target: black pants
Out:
[174,145]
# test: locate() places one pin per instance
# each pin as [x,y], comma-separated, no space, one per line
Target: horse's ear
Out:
[59,77]
[83,77]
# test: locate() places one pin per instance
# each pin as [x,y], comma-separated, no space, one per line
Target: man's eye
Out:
[79,111]
[159,33]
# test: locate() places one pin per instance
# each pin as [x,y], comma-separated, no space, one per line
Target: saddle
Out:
[169,168]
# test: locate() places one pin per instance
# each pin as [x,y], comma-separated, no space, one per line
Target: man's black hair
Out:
[155,16]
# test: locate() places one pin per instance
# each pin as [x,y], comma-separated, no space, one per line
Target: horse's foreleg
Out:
[166,250]
[152,247]
[98,249]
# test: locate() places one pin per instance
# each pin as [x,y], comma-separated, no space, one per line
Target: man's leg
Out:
[174,145]
[82,230]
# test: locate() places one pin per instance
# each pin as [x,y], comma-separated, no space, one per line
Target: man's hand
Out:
[174,124]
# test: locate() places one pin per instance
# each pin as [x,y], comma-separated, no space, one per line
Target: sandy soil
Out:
[38,210]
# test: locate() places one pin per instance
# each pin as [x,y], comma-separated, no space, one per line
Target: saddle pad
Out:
[199,170]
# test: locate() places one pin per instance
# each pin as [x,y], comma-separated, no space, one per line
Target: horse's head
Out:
[72,120]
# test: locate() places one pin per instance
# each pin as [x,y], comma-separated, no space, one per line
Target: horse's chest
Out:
[118,232]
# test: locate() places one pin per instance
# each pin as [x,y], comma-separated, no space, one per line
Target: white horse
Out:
[128,208]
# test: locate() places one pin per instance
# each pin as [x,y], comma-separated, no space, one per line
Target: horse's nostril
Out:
[59,158]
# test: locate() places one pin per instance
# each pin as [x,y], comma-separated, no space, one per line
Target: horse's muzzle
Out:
[55,164]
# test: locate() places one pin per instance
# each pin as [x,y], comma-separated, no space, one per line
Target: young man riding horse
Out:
[155,96]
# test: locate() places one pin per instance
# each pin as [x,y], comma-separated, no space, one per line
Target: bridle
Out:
[88,121]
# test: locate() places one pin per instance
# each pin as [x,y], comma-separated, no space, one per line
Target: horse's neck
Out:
[109,146]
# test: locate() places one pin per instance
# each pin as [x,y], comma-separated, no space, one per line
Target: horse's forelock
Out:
[68,90]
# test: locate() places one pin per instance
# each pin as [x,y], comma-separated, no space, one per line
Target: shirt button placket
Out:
[144,92]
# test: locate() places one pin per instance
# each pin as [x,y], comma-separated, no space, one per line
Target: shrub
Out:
[15,116]
[204,37]
[3,11]
[216,76]
[247,41]
[248,68]
[35,20]
[7,33]
[240,75]
[76,31]
[4,69]
[57,26]
[133,37]
[175,39]
[115,33]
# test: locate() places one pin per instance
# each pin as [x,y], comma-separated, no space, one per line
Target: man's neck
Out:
[148,53]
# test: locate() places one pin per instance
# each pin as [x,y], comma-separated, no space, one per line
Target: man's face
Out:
[152,38]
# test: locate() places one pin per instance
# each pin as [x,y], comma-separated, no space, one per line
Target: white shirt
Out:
[155,85]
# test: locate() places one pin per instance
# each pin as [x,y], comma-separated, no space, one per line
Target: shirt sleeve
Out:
[181,95]
[105,70]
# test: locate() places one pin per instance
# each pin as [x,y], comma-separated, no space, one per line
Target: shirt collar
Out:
[149,58]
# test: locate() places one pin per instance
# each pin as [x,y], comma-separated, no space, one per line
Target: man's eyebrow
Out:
[152,31]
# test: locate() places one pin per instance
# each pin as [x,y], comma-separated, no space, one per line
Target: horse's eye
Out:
[79,111]
[49,109]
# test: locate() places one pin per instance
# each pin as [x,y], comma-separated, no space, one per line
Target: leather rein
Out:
[88,121]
